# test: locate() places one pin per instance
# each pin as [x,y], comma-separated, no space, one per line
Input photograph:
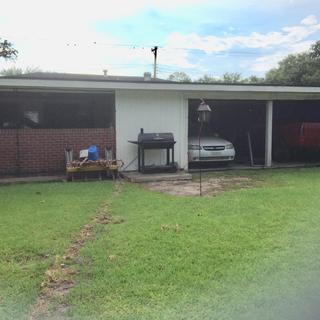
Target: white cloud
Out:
[52,54]
[288,40]
[41,31]
[266,62]
[301,46]
[255,40]
[61,11]
[42,38]
[309,20]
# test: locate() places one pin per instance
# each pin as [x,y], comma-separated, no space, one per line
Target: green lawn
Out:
[37,222]
[248,253]
[251,253]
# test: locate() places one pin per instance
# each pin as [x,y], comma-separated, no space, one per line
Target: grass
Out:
[248,253]
[37,222]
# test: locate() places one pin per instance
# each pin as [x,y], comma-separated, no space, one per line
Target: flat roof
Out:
[94,83]
[79,77]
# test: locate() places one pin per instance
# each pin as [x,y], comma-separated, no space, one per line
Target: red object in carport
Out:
[301,135]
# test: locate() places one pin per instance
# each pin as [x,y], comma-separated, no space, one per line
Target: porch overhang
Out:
[189,90]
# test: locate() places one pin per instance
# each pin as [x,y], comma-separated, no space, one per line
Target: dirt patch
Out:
[210,186]
[56,283]
[59,278]
[106,218]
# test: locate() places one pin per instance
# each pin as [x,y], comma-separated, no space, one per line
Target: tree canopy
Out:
[17,71]
[230,77]
[7,51]
[179,77]
[301,69]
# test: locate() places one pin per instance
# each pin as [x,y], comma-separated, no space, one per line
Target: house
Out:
[43,113]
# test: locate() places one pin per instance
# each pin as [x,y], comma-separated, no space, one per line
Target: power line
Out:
[212,52]
[112,44]
[147,46]
[166,48]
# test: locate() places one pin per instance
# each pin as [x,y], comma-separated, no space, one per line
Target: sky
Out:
[194,36]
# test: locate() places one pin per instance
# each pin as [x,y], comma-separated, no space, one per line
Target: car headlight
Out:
[229,146]
[194,147]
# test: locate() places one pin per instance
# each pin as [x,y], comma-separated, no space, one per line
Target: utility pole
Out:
[155,53]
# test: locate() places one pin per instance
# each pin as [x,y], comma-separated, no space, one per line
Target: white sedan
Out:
[210,149]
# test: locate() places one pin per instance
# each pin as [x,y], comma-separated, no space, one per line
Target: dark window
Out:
[9,116]
[56,110]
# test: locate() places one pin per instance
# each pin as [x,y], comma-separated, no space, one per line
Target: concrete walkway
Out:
[15,180]
[139,177]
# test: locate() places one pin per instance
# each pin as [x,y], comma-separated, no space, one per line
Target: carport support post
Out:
[268,134]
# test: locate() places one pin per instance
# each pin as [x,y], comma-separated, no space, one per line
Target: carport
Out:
[240,122]
[252,117]
[296,131]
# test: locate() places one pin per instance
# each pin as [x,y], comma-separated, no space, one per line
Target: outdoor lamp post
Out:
[204,116]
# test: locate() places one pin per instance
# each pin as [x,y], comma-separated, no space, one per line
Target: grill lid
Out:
[155,137]
[155,140]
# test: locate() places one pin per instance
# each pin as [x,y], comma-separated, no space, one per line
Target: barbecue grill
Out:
[155,141]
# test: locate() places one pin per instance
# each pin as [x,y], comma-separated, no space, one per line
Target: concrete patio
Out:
[135,176]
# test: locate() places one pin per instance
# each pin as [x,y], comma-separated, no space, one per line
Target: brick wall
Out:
[41,151]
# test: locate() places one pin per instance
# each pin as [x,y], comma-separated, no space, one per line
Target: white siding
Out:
[154,112]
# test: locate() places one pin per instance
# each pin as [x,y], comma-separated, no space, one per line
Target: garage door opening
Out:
[232,122]
[296,131]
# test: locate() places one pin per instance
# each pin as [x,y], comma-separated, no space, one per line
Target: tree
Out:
[232,77]
[228,77]
[6,50]
[315,51]
[206,78]
[11,71]
[301,69]
[179,77]
[17,71]
[254,80]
